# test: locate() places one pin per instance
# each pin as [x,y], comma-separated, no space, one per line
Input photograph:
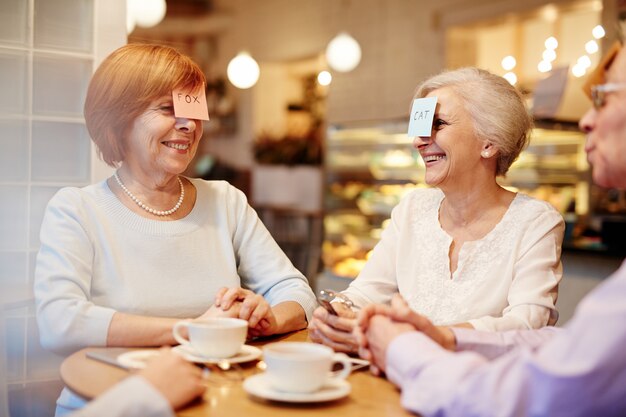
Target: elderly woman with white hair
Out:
[465,252]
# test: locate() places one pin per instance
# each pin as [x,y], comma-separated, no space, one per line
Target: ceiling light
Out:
[591,47]
[544,66]
[551,43]
[598,32]
[343,53]
[584,61]
[324,78]
[510,77]
[508,63]
[146,13]
[578,71]
[549,55]
[243,71]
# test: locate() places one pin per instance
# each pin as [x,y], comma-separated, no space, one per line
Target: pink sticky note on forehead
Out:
[190,104]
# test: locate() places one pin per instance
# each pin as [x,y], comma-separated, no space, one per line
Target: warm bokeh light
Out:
[584,61]
[508,63]
[549,55]
[324,78]
[598,32]
[578,70]
[145,13]
[544,66]
[591,47]
[243,71]
[343,53]
[511,78]
[551,43]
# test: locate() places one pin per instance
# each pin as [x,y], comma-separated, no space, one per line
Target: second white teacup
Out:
[302,367]
[214,338]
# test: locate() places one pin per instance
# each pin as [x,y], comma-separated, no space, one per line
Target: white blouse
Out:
[506,280]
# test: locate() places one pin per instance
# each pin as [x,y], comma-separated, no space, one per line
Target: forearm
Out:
[290,316]
[134,396]
[132,330]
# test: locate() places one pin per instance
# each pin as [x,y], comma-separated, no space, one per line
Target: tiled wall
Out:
[48,50]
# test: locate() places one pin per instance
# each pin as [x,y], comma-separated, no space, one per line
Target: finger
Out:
[249,305]
[365,353]
[343,311]
[336,335]
[218,296]
[375,369]
[337,346]
[230,296]
[260,311]
[320,313]
[341,323]
[371,310]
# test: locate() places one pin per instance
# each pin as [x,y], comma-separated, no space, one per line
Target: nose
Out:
[588,121]
[185,124]
[421,141]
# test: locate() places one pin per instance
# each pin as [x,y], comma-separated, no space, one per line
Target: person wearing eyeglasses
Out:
[577,370]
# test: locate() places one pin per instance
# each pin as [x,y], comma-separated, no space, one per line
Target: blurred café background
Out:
[309,104]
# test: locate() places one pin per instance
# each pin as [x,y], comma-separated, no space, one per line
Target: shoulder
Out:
[216,188]
[75,197]
[534,206]
[529,210]
[219,196]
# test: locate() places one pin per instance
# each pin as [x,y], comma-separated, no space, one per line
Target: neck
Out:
[469,205]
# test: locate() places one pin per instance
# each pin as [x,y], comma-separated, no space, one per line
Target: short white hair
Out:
[496,108]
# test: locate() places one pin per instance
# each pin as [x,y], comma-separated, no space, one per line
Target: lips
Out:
[177,145]
[433,158]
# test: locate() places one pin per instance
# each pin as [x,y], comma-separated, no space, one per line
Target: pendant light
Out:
[144,13]
[343,53]
[243,71]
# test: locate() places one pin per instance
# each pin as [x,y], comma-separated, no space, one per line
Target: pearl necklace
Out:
[150,209]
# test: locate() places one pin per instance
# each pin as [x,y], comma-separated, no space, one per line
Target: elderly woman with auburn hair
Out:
[123,260]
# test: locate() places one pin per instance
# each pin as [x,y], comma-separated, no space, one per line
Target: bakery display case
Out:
[371,166]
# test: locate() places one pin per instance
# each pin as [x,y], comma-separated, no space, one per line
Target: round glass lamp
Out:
[145,13]
[243,71]
[343,53]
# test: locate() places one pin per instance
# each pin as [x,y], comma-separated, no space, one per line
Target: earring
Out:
[485,154]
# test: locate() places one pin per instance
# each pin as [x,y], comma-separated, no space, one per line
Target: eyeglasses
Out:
[600,91]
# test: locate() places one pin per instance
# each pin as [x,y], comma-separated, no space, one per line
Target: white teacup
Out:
[214,338]
[302,367]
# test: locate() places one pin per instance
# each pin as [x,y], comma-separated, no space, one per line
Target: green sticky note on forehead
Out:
[421,118]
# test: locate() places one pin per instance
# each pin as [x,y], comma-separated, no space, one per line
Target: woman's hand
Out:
[246,305]
[334,331]
[168,367]
[378,325]
[381,330]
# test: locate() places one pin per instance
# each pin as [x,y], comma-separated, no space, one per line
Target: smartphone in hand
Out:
[324,297]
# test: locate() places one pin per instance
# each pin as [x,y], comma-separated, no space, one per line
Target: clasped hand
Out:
[378,325]
[372,331]
[246,305]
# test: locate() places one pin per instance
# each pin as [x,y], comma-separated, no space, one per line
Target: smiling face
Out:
[606,131]
[159,144]
[453,152]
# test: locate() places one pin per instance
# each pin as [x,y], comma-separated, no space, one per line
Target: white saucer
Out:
[259,386]
[136,359]
[246,354]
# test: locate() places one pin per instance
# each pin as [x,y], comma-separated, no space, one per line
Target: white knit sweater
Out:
[98,257]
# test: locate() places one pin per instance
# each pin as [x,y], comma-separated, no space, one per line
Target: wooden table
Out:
[370,396]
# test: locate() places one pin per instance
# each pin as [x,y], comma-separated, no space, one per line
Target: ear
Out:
[488,150]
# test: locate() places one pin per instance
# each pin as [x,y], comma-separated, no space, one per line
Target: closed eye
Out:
[439,123]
